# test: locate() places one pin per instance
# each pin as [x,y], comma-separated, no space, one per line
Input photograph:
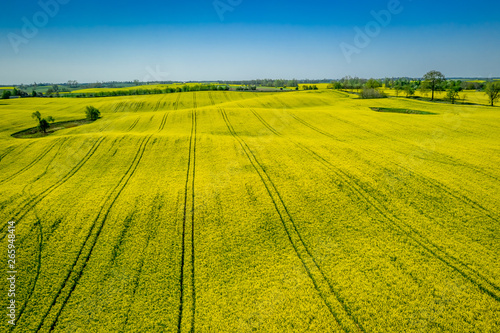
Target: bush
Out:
[372,93]
[92,113]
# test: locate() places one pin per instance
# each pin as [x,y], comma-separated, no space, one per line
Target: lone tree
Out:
[492,89]
[433,78]
[92,113]
[452,94]
[43,123]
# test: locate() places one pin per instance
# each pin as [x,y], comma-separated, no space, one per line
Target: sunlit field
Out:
[302,211]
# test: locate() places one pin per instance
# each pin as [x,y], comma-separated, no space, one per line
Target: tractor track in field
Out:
[211,98]
[286,106]
[126,225]
[431,182]
[176,103]
[152,216]
[322,285]
[190,183]
[35,161]
[265,123]
[226,95]
[421,240]
[163,122]
[314,128]
[50,189]
[424,179]
[102,216]
[133,124]
[157,106]
[442,187]
[40,176]
[39,197]
[305,123]
[193,197]
[7,152]
[451,161]
[425,243]
[38,270]
[136,285]
[50,163]
[120,105]
[105,126]
[139,105]
[459,163]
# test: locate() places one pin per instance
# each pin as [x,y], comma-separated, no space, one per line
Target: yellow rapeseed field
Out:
[302,211]
[139,87]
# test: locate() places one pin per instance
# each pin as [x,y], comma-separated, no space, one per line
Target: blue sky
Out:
[93,40]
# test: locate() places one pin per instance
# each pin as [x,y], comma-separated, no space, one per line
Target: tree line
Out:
[432,82]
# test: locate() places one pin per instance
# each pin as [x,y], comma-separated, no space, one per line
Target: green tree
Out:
[372,84]
[424,88]
[433,78]
[92,113]
[292,83]
[387,82]
[492,90]
[6,94]
[43,123]
[279,83]
[398,88]
[337,85]
[409,90]
[452,94]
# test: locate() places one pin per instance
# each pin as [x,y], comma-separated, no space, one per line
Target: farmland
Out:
[229,211]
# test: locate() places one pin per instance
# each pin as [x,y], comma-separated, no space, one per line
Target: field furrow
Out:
[77,269]
[470,274]
[187,300]
[31,202]
[35,161]
[318,278]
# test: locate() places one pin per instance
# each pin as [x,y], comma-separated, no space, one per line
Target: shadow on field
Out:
[405,111]
[34,132]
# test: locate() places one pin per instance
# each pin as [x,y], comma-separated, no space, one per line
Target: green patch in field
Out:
[34,132]
[407,111]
